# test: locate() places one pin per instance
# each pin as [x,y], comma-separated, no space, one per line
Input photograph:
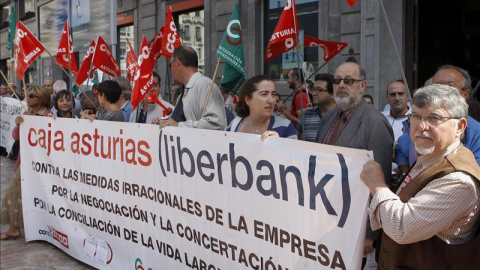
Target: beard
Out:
[344,103]
[422,151]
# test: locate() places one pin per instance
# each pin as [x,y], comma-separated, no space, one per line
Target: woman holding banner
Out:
[255,109]
[38,101]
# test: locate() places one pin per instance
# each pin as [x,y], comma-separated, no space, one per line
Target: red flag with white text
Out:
[65,47]
[155,47]
[26,49]
[330,48]
[86,64]
[103,59]
[131,61]
[170,39]
[284,36]
[143,80]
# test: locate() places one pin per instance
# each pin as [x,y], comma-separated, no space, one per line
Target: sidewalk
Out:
[19,255]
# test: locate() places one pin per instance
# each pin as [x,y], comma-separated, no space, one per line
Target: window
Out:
[191,25]
[4,16]
[186,32]
[307,13]
[27,10]
[198,34]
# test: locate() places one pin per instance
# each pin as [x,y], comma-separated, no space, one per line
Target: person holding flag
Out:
[198,110]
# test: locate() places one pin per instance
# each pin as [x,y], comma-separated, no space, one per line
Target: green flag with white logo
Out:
[11,29]
[230,51]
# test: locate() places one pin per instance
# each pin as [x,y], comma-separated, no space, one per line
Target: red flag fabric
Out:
[143,80]
[284,36]
[131,61]
[104,60]
[352,2]
[26,49]
[86,63]
[171,40]
[330,48]
[154,46]
[64,48]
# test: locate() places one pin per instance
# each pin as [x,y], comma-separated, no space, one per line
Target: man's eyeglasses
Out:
[346,81]
[432,119]
[30,96]
[319,89]
[170,65]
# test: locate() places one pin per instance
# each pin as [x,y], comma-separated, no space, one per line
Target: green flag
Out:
[11,29]
[230,51]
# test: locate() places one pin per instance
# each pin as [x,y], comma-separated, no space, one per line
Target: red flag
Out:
[351,2]
[171,40]
[154,46]
[104,60]
[131,61]
[284,36]
[143,80]
[64,46]
[330,48]
[26,49]
[86,63]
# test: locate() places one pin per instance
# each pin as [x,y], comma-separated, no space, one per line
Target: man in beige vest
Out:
[432,221]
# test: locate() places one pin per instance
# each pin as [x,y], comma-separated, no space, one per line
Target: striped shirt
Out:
[308,124]
[447,207]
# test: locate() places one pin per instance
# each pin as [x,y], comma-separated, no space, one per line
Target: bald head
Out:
[454,76]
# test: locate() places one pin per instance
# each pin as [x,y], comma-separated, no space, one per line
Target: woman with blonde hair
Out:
[38,102]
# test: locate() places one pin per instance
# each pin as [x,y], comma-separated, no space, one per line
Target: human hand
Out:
[52,116]
[372,176]
[168,122]
[282,108]
[19,120]
[85,114]
[269,133]
[368,246]
[156,121]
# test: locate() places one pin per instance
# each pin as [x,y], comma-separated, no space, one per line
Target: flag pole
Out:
[396,51]
[298,58]
[211,87]
[55,61]
[11,88]
[311,75]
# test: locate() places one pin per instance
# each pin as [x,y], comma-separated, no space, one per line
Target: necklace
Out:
[257,129]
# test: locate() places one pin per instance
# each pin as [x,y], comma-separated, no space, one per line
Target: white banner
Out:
[130,196]
[10,108]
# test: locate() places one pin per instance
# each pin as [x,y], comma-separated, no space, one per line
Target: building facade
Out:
[384,37]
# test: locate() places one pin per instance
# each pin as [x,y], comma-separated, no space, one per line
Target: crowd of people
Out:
[424,179]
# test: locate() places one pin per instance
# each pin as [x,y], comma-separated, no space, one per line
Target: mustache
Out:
[341,91]
[423,134]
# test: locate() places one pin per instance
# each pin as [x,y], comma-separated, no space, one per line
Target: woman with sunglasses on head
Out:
[108,93]
[38,101]
[255,108]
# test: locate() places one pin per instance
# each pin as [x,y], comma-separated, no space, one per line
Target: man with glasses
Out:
[431,220]
[199,108]
[322,98]
[355,124]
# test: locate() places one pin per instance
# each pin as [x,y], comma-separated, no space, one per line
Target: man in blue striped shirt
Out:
[307,128]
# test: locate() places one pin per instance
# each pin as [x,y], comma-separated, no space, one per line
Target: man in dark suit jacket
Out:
[355,124]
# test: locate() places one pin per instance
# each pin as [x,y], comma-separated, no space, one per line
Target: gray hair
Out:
[441,96]
[124,84]
[467,81]
[59,85]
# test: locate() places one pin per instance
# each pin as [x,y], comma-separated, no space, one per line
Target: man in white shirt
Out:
[200,109]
